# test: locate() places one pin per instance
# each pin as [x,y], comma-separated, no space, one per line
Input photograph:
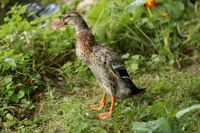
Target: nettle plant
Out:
[30,53]
[15,62]
[138,29]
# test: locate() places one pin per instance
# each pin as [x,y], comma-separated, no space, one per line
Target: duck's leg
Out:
[102,103]
[108,114]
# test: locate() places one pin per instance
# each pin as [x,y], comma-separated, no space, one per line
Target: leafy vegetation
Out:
[38,65]
[155,109]
[28,56]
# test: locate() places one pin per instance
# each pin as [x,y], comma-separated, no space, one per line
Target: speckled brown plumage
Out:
[84,45]
[106,65]
[104,62]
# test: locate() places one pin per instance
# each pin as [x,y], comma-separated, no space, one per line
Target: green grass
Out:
[167,91]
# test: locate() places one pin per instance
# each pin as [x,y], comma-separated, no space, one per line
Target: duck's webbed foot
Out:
[106,115]
[102,103]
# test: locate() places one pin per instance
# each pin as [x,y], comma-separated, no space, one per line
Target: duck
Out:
[106,65]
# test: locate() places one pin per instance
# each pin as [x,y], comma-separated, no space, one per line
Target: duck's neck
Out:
[82,27]
[84,35]
[85,41]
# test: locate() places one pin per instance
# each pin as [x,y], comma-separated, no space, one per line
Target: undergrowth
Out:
[67,111]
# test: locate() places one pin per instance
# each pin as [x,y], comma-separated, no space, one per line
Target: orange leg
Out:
[108,114]
[102,103]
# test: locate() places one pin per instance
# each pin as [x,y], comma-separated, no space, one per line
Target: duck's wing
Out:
[108,58]
[115,66]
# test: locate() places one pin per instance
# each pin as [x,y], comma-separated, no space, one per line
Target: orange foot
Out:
[102,104]
[94,106]
[104,116]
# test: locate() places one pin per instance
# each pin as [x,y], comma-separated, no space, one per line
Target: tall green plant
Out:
[29,54]
[132,28]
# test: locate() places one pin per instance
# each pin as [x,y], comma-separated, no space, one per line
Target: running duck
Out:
[106,65]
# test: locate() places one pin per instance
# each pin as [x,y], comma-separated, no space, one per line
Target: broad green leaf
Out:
[8,79]
[9,117]
[162,125]
[126,56]
[184,111]
[155,58]
[175,9]
[20,94]
[100,31]
[134,67]
[136,8]
[136,57]
[99,12]
[198,130]
[135,5]
[10,62]
[99,130]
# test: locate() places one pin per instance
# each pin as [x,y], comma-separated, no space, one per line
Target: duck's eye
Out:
[65,16]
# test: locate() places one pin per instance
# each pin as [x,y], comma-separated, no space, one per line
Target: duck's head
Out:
[71,18]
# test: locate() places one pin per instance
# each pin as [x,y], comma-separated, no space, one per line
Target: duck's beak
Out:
[57,24]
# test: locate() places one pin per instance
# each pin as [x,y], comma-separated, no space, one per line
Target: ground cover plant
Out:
[45,88]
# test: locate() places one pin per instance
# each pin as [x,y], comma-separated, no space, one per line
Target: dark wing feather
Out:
[126,80]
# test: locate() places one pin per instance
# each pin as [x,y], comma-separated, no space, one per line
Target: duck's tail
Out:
[127,87]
